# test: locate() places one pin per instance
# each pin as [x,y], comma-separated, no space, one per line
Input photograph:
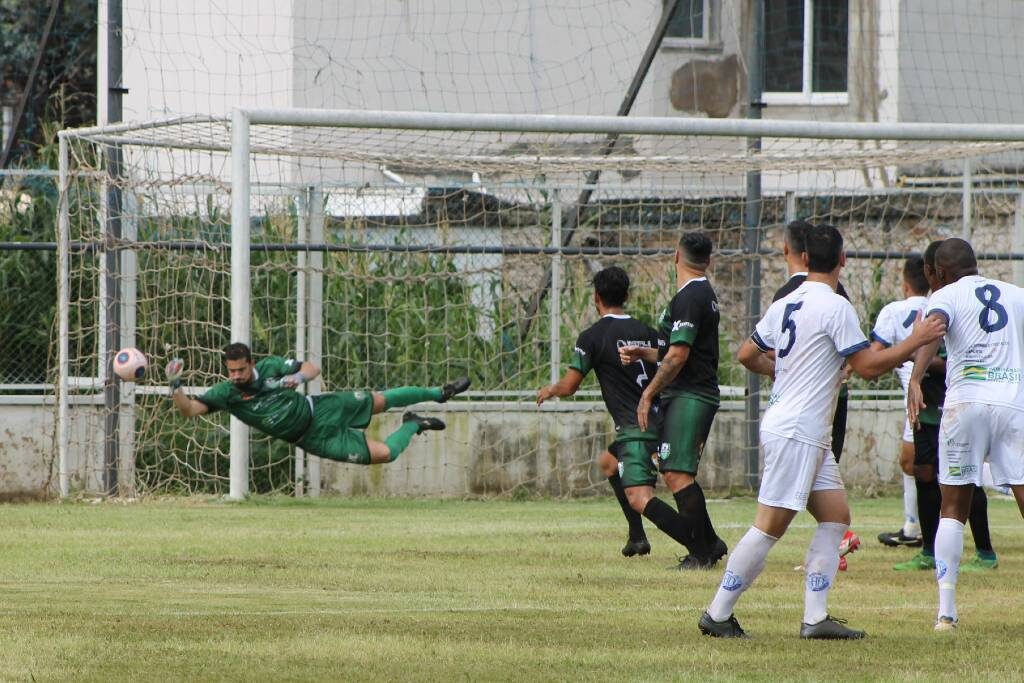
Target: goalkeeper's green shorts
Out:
[336,432]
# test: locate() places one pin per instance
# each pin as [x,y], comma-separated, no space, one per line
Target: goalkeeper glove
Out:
[293,380]
[173,371]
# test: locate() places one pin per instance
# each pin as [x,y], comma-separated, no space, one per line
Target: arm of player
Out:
[306,373]
[754,359]
[567,386]
[189,407]
[670,366]
[631,354]
[870,363]
[915,399]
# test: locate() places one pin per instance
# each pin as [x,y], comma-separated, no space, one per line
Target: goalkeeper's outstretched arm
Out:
[186,405]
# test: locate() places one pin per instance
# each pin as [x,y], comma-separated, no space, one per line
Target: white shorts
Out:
[970,433]
[793,469]
[908,432]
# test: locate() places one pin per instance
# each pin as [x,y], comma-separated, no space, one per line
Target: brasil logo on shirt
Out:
[984,374]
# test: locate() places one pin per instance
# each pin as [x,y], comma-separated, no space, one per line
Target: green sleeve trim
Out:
[684,335]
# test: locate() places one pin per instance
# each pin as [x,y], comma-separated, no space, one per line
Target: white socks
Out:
[911,523]
[949,546]
[745,562]
[821,565]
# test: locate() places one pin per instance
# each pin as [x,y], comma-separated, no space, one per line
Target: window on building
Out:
[806,51]
[690,24]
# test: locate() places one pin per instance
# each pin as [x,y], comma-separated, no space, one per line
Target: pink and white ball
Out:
[130,364]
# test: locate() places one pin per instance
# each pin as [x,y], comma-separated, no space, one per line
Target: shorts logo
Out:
[359,395]
[940,569]
[621,468]
[353,457]
[818,582]
[961,470]
[731,582]
[665,451]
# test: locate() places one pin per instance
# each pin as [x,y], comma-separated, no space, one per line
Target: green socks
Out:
[400,439]
[401,397]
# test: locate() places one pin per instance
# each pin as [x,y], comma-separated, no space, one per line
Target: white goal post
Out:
[522,156]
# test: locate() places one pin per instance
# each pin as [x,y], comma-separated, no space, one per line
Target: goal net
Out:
[409,249]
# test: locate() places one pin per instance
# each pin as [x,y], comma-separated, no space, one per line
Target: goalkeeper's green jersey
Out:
[263,403]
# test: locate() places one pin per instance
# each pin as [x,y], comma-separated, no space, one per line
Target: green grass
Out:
[440,590]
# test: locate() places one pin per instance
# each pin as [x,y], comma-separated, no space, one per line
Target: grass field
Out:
[457,590]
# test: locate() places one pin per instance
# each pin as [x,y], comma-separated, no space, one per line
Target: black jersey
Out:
[597,349]
[692,319]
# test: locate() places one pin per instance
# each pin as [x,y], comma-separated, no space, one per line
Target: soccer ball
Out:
[130,364]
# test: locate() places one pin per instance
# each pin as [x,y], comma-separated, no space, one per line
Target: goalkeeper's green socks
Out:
[399,440]
[400,397]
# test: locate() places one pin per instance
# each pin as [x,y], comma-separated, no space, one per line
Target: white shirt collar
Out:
[692,279]
[616,316]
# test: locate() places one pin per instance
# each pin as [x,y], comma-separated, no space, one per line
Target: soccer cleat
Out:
[850,542]
[693,562]
[456,386]
[424,423]
[894,539]
[980,564]
[918,562]
[638,547]
[730,628]
[946,624]
[829,628]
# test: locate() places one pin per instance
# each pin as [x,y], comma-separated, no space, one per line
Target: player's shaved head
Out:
[824,248]
[929,253]
[612,285]
[695,247]
[954,259]
[913,274]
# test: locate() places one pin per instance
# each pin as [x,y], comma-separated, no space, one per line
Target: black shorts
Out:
[926,445]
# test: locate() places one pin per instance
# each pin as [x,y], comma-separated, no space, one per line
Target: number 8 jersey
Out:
[811,330]
[983,341]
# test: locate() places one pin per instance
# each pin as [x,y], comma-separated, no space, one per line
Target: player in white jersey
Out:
[983,415]
[812,331]
[892,326]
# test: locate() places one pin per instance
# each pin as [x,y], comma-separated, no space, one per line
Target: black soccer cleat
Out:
[730,628]
[829,628]
[638,547]
[697,563]
[894,539]
[456,386]
[424,423]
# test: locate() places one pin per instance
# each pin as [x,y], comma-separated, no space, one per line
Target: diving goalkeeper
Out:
[262,395]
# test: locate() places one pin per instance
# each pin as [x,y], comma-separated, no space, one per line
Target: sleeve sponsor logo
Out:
[680,324]
[579,350]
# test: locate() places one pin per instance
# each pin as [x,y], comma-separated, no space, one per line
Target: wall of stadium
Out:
[488,448]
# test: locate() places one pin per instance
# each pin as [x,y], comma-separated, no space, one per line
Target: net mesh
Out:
[429,255]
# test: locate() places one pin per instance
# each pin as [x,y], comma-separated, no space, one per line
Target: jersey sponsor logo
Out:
[940,569]
[680,324]
[817,582]
[619,343]
[731,582]
[981,373]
